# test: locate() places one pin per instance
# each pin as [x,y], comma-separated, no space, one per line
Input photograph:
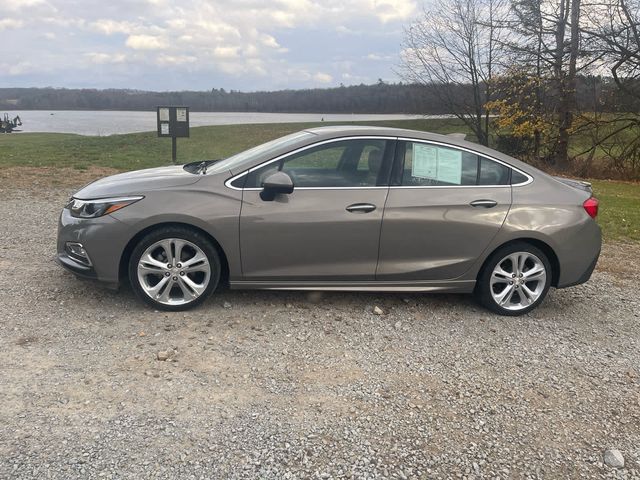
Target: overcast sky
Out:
[200,44]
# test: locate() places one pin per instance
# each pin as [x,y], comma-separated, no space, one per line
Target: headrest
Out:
[375,160]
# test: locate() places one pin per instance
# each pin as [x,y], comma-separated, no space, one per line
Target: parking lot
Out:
[296,385]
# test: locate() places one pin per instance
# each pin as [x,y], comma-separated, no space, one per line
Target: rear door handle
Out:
[484,203]
[361,208]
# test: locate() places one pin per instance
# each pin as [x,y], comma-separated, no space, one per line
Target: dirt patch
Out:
[620,259]
[267,385]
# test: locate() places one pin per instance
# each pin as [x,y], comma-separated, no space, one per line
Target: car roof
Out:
[337,131]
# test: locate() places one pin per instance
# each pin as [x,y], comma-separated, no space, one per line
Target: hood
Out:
[136,182]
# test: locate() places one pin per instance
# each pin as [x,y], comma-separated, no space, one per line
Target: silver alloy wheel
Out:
[518,280]
[174,271]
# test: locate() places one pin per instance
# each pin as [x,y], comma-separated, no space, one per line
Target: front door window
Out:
[343,164]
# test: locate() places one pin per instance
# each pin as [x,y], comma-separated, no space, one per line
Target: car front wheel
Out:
[174,268]
[515,279]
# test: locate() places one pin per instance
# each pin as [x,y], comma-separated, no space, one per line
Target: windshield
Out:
[236,161]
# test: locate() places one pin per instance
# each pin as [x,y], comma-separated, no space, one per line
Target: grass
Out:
[620,201]
[143,150]
[619,214]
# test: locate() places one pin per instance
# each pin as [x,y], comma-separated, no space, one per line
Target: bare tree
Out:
[452,48]
[567,103]
[548,43]
[613,29]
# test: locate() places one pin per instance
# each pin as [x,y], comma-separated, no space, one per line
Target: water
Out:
[88,122]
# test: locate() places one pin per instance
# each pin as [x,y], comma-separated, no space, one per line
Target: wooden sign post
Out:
[173,122]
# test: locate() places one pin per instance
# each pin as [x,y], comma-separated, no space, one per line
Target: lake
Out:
[89,122]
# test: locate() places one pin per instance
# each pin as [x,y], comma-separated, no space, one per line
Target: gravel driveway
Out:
[291,385]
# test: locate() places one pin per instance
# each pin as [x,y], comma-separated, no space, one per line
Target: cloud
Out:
[269,41]
[225,52]
[377,57]
[247,44]
[145,42]
[9,23]
[175,60]
[394,10]
[20,68]
[323,77]
[109,27]
[21,5]
[102,58]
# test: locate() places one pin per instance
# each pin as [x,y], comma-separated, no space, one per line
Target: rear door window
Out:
[433,165]
[427,164]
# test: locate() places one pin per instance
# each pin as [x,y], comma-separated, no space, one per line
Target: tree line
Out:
[378,98]
[382,97]
[553,81]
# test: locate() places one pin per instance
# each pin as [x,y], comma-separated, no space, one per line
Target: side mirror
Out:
[275,184]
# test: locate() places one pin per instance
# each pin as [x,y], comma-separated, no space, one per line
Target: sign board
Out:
[173,121]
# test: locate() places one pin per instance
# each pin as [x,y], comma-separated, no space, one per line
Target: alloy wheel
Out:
[174,271]
[518,281]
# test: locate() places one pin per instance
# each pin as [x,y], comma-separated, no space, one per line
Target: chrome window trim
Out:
[258,189]
[529,180]
[474,152]
[302,149]
[398,187]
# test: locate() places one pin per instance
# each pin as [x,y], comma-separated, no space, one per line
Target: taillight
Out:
[591,206]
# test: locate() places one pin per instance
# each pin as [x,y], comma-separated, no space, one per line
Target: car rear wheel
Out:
[174,268]
[514,280]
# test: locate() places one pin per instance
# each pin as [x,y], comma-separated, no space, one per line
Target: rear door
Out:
[444,207]
[328,229]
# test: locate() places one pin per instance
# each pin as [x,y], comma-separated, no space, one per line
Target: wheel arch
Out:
[546,249]
[131,244]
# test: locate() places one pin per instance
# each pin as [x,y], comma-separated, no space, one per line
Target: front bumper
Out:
[75,267]
[104,239]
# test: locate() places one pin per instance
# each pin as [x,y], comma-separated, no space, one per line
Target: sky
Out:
[163,45]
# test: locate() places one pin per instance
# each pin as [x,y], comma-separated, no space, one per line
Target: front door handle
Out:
[484,203]
[361,208]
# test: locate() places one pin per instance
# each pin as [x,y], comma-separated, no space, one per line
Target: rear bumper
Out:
[585,276]
[578,254]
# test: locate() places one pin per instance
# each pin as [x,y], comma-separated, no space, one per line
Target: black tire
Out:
[483,291]
[183,233]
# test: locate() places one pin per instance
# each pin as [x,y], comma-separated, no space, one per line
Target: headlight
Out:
[99,206]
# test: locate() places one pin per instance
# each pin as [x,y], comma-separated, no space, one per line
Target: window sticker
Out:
[440,164]
[424,163]
[449,166]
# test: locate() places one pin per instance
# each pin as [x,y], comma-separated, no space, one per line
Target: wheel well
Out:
[126,254]
[548,251]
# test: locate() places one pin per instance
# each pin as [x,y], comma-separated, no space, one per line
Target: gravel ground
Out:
[291,385]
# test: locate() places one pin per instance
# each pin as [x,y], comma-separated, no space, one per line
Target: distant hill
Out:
[378,98]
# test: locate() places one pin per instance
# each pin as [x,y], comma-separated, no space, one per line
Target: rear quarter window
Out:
[493,173]
[517,178]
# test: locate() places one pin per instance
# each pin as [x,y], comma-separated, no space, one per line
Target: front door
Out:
[328,229]
[446,206]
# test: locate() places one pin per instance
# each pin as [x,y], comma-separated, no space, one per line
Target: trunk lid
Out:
[578,184]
